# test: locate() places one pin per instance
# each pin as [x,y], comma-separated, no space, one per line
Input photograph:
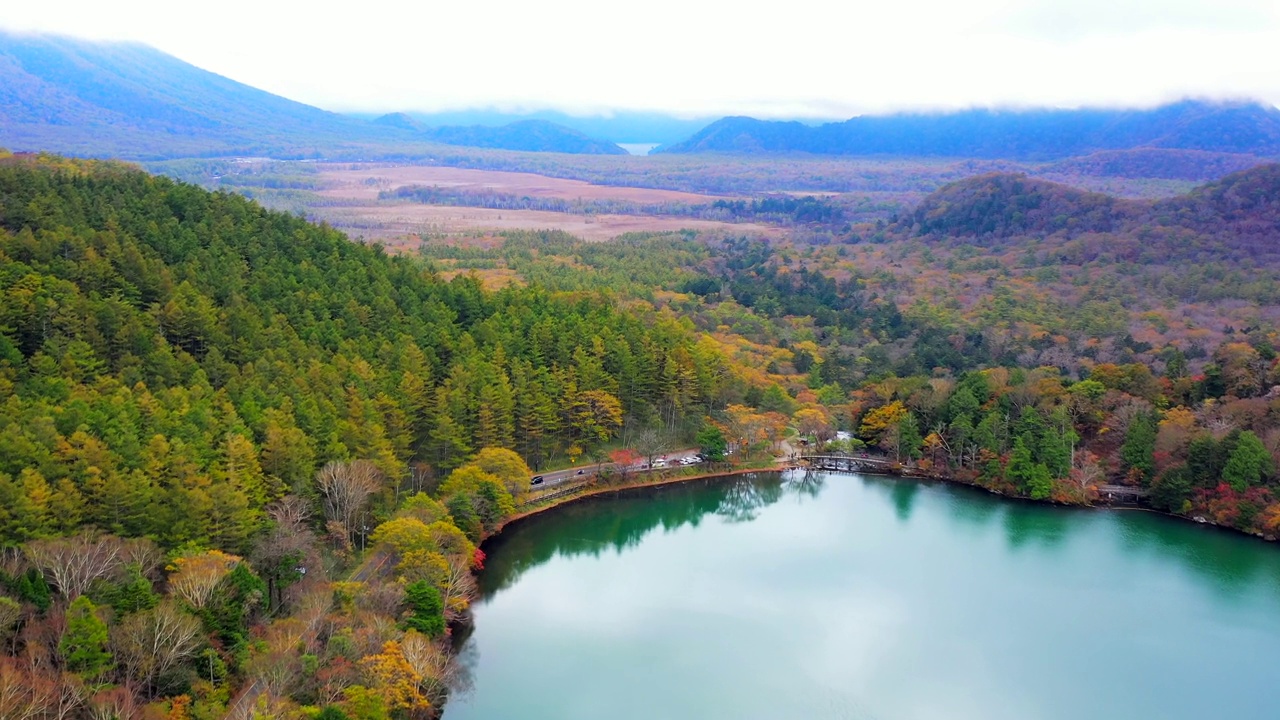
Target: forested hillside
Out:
[1238,214]
[1027,337]
[211,409]
[246,463]
[174,359]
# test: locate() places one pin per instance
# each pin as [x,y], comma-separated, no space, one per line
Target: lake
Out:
[843,596]
[638,148]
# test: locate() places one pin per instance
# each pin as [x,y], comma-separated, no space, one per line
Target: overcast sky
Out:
[817,58]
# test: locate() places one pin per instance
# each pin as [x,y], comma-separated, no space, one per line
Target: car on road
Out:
[537,480]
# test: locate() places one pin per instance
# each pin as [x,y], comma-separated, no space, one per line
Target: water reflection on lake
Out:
[839,596]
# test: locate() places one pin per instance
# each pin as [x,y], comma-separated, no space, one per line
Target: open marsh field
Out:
[349,199]
[399,224]
[366,180]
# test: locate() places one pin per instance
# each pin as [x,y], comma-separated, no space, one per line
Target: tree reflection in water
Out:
[745,495]
[807,484]
[616,523]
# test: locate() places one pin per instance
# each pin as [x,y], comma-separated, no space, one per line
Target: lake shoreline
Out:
[593,491]
[596,491]
[866,517]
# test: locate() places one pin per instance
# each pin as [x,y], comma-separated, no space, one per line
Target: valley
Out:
[282,390]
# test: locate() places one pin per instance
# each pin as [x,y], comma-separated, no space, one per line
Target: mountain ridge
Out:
[1237,127]
[998,206]
[129,100]
[527,135]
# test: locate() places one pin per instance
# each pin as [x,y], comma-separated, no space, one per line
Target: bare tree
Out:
[67,698]
[18,699]
[149,644]
[143,553]
[73,563]
[380,597]
[39,639]
[431,663]
[114,704]
[10,613]
[278,667]
[29,693]
[196,576]
[458,587]
[1087,469]
[651,443]
[290,512]
[287,554]
[313,611]
[12,562]
[346,487]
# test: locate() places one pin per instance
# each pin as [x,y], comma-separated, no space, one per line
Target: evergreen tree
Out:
[1138,451]
[84,642]
[1205,461]
[1248,463]
[426,609]
[711,442]
[1040,484]
[909,440]
[1021,468]
[1172,489]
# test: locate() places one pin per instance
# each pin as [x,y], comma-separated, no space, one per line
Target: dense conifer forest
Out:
[246,464]
[250,399]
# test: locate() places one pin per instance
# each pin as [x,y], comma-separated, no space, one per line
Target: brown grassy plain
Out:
[390,224]
[349,200]
[365,181]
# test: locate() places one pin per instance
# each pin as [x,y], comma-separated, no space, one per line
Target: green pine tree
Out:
[426,609]
[1248,463]
[84,642]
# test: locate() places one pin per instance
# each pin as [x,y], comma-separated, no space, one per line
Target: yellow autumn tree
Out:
[507,466]
[878,420]
[397,682]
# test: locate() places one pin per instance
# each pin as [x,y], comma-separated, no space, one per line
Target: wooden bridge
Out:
[1111,494]
[847,463]
[1121,493]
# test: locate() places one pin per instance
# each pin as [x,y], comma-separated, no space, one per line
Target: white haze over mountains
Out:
[803,58]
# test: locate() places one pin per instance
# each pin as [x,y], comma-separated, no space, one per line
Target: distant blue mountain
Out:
[531,135]
[1235,127]
[616,127]
[128,100]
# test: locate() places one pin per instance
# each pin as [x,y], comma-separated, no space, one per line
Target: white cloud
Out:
[807,57]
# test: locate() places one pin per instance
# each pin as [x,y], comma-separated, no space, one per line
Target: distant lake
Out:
[638,148]
[781,597]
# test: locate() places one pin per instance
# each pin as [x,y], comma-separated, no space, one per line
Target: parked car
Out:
[537,480]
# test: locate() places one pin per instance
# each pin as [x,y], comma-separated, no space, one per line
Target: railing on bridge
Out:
[846,463]
[1122,493]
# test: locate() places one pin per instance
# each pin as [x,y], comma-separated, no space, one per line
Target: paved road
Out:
[552,478]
